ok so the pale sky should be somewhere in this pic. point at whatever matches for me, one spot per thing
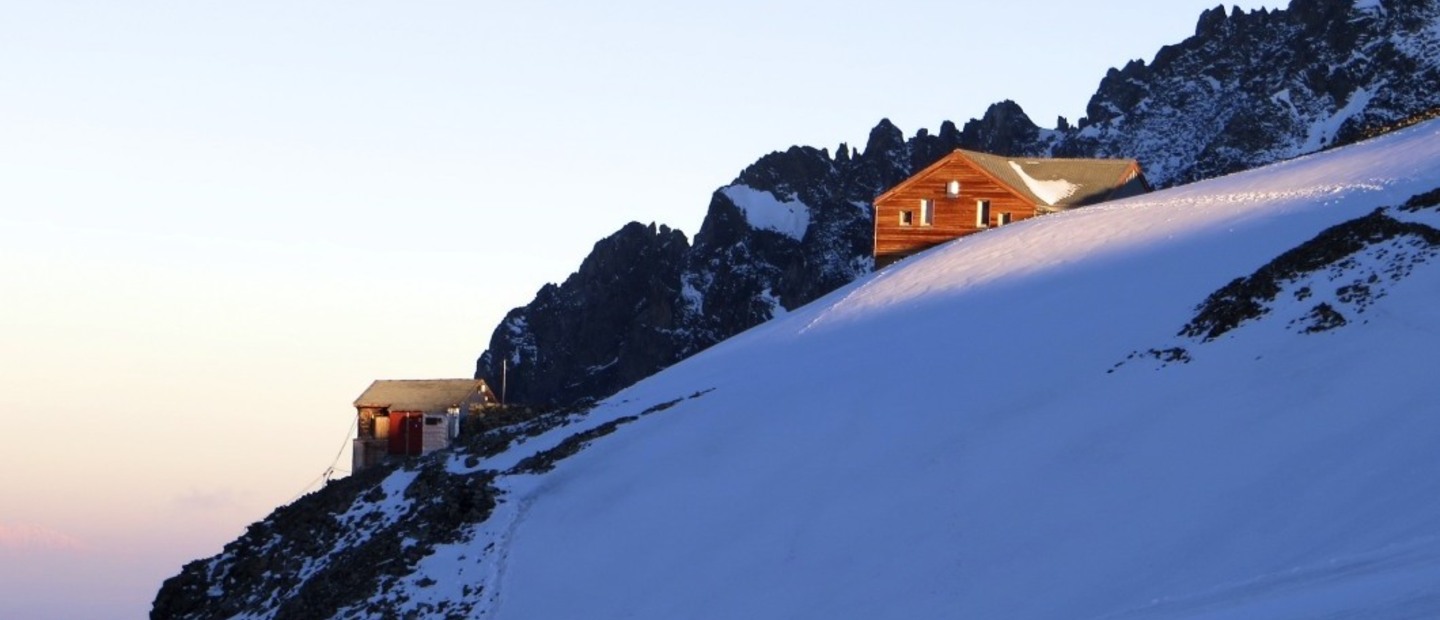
(219, 221)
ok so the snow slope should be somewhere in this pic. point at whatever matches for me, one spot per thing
(1008, 426)
(943, 439)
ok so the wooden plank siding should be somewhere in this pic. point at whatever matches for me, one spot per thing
(954, 216)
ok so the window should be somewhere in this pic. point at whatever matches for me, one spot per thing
(1002, 219)
(982, 213)
(907, 218)
(952, 189)
(927, 212)
(433, 421)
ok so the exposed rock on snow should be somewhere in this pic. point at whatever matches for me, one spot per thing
(1360, 255)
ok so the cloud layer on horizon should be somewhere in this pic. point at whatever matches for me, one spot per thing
(28, 537)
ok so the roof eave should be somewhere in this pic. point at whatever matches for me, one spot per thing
(914, 177)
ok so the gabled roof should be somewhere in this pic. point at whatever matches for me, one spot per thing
(1053, 184)
(1061, 183)
(420, 394)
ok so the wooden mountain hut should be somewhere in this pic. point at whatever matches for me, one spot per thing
(966, 192)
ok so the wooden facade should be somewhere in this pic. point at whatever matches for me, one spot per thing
(413, 417)
(966, 192)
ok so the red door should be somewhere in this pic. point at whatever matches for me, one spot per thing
(406, 431)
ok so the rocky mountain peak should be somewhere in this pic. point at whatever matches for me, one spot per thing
(610, 317)
(1004, 129)
(885, 137)
(1211, 20)
(780, 172)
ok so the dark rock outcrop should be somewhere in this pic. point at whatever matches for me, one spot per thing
(1005, 129)
(1248, 298)
(643, 301)
(352, 548)
(306, 561)
(608, 325)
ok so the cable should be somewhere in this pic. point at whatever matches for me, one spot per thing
(344, 441)
(325, 475)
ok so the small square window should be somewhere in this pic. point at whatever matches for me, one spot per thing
(907, 218)
(952, 189)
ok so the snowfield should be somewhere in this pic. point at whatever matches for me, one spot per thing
(1011, 426)
(763, 210)
(945, 439)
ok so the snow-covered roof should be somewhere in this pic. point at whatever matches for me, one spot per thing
(1059, 184)
(429, 395)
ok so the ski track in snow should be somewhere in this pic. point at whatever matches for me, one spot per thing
(1404, 571)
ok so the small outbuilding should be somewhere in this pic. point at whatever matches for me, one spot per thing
(966, 192)
(413, 417)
